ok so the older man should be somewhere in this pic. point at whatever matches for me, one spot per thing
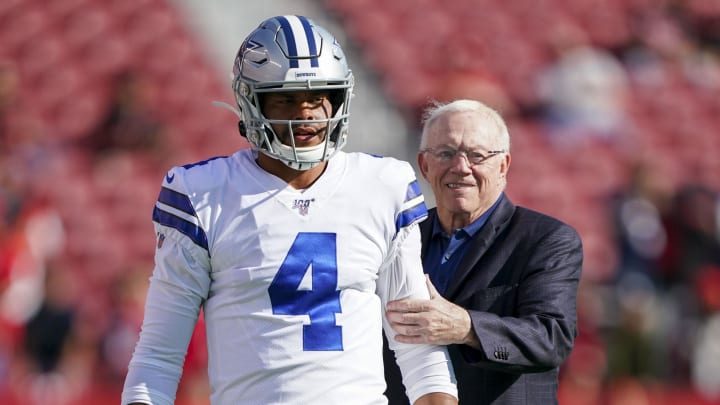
(505, 277)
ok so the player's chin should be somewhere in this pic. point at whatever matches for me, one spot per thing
(306, 143)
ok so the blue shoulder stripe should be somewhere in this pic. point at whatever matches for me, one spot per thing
(415, 213)
(413, 191)
(411, 215)
(176, 200)
(192, 231)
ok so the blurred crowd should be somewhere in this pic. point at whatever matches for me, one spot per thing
(69, 307)
(76, 239)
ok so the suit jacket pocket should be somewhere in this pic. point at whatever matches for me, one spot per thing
(493, 299)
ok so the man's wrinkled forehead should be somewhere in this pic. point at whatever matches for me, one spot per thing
(467, 126)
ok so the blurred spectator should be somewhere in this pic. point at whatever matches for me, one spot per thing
(665, 50)
(636, 343)
(10, 246)
(694, 240)
(584, 91)
(667, 287)
(31, 235)
(36, 236)
(638, 213)
(45, 368)
(704, 18)
(128, 124)
(48, 330)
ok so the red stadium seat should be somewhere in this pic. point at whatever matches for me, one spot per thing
(83, 25)
(106, 55)
(22, 24)
(41, 56)
(147, 25)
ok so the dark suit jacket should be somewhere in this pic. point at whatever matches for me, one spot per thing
(518, 279)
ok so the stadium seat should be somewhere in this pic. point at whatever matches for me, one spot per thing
(83, 24)
(106, 55)
(22, 24)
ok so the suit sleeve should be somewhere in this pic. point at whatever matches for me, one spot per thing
(540, 335)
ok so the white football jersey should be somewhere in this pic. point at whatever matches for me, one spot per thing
(293, 283)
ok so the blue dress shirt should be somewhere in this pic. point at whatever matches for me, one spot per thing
(445, 251)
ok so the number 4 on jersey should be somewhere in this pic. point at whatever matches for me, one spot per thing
(314, 252)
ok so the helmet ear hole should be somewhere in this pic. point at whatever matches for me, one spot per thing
(335, 135)
(337, 98)
(242, 128)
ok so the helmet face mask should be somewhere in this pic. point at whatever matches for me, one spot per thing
(291, 53)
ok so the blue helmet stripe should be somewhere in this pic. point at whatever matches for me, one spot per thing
(290, 38)
(312, 46)
(176, 200)
(192, 231)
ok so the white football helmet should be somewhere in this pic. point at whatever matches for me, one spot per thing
(287, 53)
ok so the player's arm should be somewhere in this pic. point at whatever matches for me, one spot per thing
(436, 399)
(426, 369)
(427, 372)
(178, 286)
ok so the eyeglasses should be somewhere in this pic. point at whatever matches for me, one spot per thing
(447, 154)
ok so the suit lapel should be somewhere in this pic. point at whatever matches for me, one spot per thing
(477, 246)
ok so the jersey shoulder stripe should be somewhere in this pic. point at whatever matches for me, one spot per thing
(187, 228)
(174, 207)
(413, 191)
(183, 187)
(176, 200)
(414, 209)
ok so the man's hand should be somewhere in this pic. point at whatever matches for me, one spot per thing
(435, 321)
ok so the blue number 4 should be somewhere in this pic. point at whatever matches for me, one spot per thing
(315, 252)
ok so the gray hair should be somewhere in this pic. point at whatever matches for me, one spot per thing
(485, 113)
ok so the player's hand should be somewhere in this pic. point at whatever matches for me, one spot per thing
(435, 321)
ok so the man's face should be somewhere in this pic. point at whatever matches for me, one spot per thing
(464, 165)
(299, 105)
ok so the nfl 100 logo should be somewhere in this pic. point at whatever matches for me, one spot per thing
(302, 205)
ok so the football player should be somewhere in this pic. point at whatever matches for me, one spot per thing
(291, 248)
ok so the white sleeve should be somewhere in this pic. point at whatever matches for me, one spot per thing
(425, 368)
(178, 288)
